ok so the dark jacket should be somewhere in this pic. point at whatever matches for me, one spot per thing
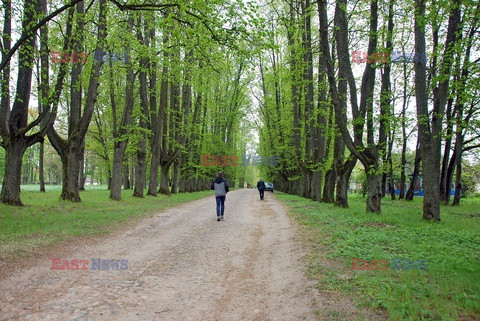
(261, 185)
(220, 185)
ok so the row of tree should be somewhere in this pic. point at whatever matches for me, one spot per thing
(322, 113)
(181, 92)
(187, 87)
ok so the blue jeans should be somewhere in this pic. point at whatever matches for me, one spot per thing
(220, 205)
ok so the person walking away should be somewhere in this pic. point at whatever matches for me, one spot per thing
(261, 188)
(220, 186)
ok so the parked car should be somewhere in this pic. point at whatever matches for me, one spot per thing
(269, 186)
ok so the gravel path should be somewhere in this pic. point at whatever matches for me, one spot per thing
(182, 265)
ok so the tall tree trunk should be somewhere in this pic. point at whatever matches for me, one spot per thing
(387, 132)
(403, 161)
(81, 174)
(14, 124)
(383, 188)
(458, 181)
(13, 173)
(92, 175)
(461, 121)
(41, 167)
(368, 155)
(374, 193)
(329, 186)
(154, 165)
(164, 186)
(140, 169)
(126, 175)
(106, 153)
(156, 115)
(430, 131)
(70, 149)
(176, 165)
(391, 181)
(120, 131)
(294, 80)
(43, 86)
(343, 179)
(444, 188)
(330, 175)
(116, 182)
(141, 166)
(312, 150)
(71, 170)
(319, 137)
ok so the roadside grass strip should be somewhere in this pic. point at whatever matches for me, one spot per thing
(46, 220)
(448, 289)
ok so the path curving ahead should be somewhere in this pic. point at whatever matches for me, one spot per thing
(182, 265)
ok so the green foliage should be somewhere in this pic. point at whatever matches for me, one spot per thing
(449, 288)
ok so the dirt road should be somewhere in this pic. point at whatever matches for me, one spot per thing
(182, 265)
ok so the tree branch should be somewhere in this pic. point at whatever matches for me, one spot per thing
(31, 32)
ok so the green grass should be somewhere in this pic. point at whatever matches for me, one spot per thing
(46, 220)
(50, 188)
(448, 290)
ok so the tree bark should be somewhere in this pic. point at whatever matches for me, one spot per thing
(81, 174)
(71, 169)
(164, 186)
(120, 131)
(329, 186)
(141, 165)
(43, 86)
(461, 121)
(116, 183)
(140, 169)
(430, 130)
(444, 181)
(294, 80)
(386, 112)
(70, 149)
(126, 175)
(41, 167)
(391, 181)
(105, 153)
(156, 116)
(14, 124)
(330, 175)
(367, 155)
(458, 181)
(176, 165)
(343, 179)
(13, 173)
(403, 160)
(374, 193)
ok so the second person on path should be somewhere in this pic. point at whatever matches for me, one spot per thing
(261, 188)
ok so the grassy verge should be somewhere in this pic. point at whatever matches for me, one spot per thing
(46, 220)
(448, 290)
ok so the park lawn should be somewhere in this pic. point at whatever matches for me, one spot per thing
(448, 290)
(46, 220)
